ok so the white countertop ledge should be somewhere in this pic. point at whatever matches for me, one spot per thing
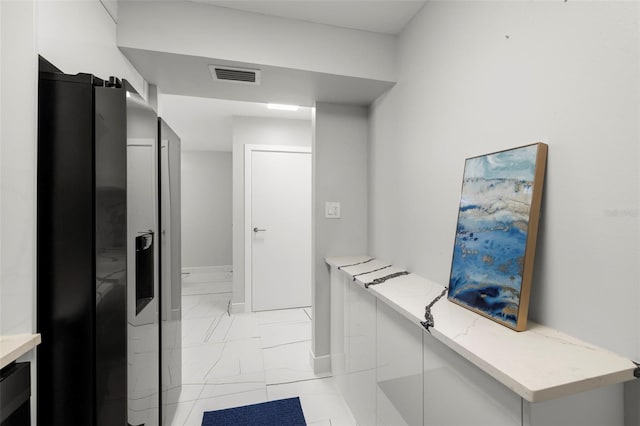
(14, 346)
(538, 364)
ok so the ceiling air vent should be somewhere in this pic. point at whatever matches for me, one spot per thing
(236, 75)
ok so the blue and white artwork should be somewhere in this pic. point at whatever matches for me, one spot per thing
(493, 228)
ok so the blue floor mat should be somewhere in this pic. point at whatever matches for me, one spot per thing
(283, 412)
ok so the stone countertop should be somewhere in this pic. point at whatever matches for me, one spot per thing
(14, 346)
(538, 364)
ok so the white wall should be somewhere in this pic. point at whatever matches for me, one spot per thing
(76, 36)
(18, 137)
(206, 208)
(80, 36)
(18, 112)
(256, 131)
(340, 174)
(477, 77)
(233, 35)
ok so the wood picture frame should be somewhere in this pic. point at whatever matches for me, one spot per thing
(496, 233)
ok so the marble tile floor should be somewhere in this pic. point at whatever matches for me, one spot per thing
(242, 359)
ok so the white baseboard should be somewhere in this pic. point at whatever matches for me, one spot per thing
(206, 269)
(321, 364)
(207, 273)
(237, 308)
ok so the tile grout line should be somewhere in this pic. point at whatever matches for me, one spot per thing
(210, 331)
(217, 361)
(193, 405)
(285, 344)
(233, 319)
(297, 381)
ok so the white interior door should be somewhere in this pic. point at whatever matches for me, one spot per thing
(280, 229)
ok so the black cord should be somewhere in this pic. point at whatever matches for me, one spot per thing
(368, 272)
(636, 372)
(428, 316)
(354, 264)
(385, 278)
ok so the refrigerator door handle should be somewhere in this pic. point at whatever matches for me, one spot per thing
(148, 239)
(144, 270)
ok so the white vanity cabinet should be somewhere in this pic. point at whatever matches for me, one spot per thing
(360, 343)
(465, 371)
(353, 345)
(597, 407)
(458, 393)
(338, 337)
(399, 375)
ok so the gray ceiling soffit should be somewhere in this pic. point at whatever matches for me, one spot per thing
(191, 76)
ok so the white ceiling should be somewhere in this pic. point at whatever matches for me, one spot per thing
(205, 123)
(381, 16)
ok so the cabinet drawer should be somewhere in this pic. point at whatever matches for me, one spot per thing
(15, 388)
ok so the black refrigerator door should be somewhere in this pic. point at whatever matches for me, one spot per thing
(111, 256)
(81, 255)
(65, 272)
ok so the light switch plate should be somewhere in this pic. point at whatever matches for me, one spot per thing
(332, 210)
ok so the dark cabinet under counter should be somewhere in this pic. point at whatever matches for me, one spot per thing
(15, 394)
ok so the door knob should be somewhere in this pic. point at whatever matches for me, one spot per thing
(258, 230)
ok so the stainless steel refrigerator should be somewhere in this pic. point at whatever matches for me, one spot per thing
(170, 272)
(154, 292)
(143, 311)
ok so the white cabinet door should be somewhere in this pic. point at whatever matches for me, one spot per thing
(399, 373)
(457, 393)
(361, 354)
(602, 406)
(337, 323)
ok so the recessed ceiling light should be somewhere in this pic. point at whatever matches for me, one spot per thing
(282, 107)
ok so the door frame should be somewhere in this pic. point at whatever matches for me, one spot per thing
(249, 149)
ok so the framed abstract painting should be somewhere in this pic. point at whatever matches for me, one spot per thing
(495, 241)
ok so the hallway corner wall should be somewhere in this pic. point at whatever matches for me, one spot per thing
(206, 208)
(340, 152)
